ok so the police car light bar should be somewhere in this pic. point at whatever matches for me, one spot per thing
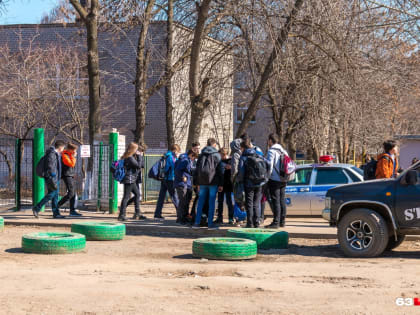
(326, 158)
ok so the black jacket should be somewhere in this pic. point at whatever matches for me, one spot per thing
(132, 170)
(218, 178)
(52, 164)
(140, 161)
(227, 182)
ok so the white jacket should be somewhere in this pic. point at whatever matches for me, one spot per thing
(273, 157)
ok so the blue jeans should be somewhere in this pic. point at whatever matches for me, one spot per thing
(211, 192)
(53, 196)
(166, 186)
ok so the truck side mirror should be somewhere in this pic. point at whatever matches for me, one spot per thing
(411, 177)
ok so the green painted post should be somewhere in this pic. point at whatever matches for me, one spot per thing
(113, 184)
(98, 205)
(38, 153)
(17, 174)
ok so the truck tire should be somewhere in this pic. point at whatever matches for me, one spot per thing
(363, 233)
(1, 224)
(100, 231)
(224, 248)
(265, 238)
(53, 243)
(392, 243)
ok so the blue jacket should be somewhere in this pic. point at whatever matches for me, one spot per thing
(170, 166)
(241, 178)
(183, 168)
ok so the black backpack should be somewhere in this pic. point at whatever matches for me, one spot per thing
(369, 171)
(206, 168)
(256, 169)
(40, 167)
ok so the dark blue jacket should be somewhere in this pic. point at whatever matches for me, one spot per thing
(170, 166)
(183, 168)
(241, 178)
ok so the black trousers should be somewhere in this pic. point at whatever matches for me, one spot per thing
(183, 204)
(128, 189)
(253, 205)
(278, 201)
(220, 203)
(133, 199)
(71, 194)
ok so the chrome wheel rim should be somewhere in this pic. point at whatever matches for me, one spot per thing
(359, 235)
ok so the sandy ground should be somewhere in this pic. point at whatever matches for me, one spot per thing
(158, 275)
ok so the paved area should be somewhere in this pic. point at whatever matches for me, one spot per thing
(307, 227)
(297, 227)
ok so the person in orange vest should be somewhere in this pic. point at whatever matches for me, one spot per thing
(69, 162)
(387, 166)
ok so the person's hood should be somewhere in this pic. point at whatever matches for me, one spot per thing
(183, 157)
(50, 150)
(278, 146)
(209, 150)
(69, 153)
(169, 153)
(235, 145)
(249, 152)
(380, 156)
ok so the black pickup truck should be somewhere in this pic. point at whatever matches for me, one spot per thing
(375, 216)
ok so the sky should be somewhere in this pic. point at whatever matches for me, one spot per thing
(25, 11)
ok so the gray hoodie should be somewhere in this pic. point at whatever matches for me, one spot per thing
(273, 157)
(235, 147)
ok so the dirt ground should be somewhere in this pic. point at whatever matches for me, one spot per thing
(157, 275)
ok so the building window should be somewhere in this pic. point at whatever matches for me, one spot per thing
(240, 112)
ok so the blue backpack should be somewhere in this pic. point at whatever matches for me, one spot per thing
(157, 171)
(118, 170)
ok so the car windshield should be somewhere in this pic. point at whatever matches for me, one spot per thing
(302, 177)
(357, 170)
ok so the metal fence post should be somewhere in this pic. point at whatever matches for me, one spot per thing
(101, 153)
(113, 184)
(17, 174)
(37, 154)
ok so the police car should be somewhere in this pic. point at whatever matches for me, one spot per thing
(305, 195)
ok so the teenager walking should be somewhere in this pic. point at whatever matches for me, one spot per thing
(51, 172)
(227, 188)
(69, 162)
(132, 169)
(139, 156)
(387, 166)
(167, 185)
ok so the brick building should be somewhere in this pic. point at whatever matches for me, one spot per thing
(117, 53)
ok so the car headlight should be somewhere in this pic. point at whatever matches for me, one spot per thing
(327, 202)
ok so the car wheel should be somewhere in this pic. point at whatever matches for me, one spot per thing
(363, 233)
(392, 243)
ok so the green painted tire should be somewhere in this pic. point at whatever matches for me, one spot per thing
(224, 248)
(1, 224)
(100, 231)
(265, 238)
(53, 243)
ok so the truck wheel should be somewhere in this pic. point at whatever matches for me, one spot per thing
(392, 243)
(363, 233)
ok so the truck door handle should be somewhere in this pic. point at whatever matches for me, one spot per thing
(303, 189)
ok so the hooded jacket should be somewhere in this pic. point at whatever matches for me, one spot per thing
(242, 176)
(386, 167)
(218, 178)
(274, 158)
(53, 164)
(170, 166)
(132, 169)
(183, 169)
(235, 147)
(69, 162)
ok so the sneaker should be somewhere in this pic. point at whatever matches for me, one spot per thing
(272, 226)
(159, 218)
(213, 228)
(219, 220)
(196, 227)
(58, 216)
(142, 217)
(122, 219)
(75, 214)
(231, 222)
(135, 216)
(35, 213)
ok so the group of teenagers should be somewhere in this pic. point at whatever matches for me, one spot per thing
(209, 174)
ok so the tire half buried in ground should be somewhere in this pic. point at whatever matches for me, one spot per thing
(224, 248)
(100, 231)
(265, 238)
(53, 243)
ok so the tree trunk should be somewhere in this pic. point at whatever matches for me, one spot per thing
(259, 92)
(170, 132)
(197, 93)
